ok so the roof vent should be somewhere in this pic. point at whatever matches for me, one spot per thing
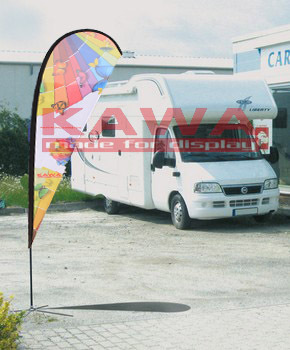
(128, 54)
(201, 72)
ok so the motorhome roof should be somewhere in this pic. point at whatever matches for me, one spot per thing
(127, 86)
(216, 93)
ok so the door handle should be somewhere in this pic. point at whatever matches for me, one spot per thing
(176, 174)
(119, 152)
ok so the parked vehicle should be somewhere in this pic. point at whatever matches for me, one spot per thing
(189, 183)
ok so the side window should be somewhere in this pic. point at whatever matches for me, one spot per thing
(108, 127)
(162, 143)
(169, 154)
(160, 140)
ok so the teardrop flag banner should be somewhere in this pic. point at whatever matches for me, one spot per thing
(72, 76)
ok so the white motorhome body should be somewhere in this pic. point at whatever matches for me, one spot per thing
(125, 174)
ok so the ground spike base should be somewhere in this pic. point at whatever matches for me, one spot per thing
(40, 309)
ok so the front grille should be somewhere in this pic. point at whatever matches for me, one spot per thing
(218, 204)
(236, 190)
(244, 202)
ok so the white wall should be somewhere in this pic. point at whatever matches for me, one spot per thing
(18, 84)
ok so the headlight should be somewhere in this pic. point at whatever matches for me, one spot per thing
(207, 187)
(270, 184)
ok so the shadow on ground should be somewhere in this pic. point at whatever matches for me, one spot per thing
(137, 307)
(279, 223)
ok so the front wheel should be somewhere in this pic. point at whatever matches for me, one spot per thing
(179, 213)
(111, 207)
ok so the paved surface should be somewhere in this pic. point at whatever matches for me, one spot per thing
(255, 328)
(234, 275)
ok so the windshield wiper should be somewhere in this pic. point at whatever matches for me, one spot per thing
(190, 155)
(217, 157)
(207, 157)
(237, 157)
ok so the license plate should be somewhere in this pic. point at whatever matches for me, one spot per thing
(245, 211)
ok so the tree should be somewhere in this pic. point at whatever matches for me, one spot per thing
(14, 145)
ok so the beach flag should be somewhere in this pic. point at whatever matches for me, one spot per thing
(71, 79)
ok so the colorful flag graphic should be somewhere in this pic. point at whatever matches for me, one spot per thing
(71, 79)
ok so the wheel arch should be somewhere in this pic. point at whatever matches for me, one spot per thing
(172, 194)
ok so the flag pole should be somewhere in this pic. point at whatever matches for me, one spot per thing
(30, 273)
(32, 308)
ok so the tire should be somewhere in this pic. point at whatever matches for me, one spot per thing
(111, 207)
(263, 218)
(179, 213)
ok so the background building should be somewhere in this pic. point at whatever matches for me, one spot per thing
(267, 54)
(19, 71)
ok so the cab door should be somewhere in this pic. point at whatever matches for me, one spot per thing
(164, 180)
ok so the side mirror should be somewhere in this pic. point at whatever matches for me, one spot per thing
(273, 156)
(158, 160)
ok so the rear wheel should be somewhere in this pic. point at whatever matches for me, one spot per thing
(179, 213)
(263, 218)
(111, 207)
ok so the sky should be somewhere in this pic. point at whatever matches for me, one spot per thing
(203, 28)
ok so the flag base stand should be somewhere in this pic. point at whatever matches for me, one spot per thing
(39, 309)
(32, 308)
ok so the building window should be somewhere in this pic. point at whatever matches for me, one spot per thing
(247, 61)
(280, 122)
(281, 131)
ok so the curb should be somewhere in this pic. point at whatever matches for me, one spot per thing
(14, 210)
(284, 211)
(62, 207)
(75, 206)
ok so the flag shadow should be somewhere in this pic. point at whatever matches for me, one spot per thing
(131, 306)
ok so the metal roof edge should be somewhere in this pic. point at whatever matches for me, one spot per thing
(262, 33)
(36, 57)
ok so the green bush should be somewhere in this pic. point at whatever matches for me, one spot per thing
(14, 146)
(24, 182)
(13, 190)
(10, 324)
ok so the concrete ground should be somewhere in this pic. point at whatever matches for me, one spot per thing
(234, 275)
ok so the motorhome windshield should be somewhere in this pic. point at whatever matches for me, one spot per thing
(234, 142)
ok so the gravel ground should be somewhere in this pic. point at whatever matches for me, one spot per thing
(87, 257)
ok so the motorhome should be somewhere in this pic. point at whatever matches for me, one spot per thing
(152, 142)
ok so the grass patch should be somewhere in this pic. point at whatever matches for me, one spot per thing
(64, 193)
(14, 191)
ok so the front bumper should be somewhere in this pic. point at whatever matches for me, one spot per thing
(218, 205)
